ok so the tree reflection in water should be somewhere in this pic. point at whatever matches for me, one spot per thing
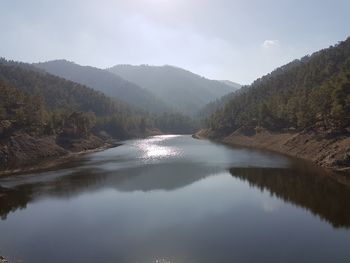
(305, 186)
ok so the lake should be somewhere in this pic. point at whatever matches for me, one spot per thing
(176, 199)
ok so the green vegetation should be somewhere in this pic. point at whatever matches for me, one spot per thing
(216, 105)
(19, 111)
(41, 104)
(34, 101)
(313, 92)
(175, 123)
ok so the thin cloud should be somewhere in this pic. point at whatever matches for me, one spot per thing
(271, 44)
(218, 42)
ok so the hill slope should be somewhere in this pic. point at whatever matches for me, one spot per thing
(232, 84)
(43, 117)
(184, 91)
(314, 89)
(65, 97)
(302, 109)
(106, 82)
(58, 94)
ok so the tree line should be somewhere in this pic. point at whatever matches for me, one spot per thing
(313, 92)
(41, 104)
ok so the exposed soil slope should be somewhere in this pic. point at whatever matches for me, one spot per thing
(22, 152)
(330, 151)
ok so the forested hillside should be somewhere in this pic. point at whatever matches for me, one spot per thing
(19, 111)
(212, 107)
(182, 90)
(43, 117)
(176, 123)
(106, 82)
(60, 100)
(311, 92)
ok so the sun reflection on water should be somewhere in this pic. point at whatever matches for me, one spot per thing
(154, 147)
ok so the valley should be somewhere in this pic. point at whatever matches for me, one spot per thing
(174, 131)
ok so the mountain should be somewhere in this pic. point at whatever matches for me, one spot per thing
(28, 92)
(58, 98)
(216, 105)
(301, 109)
(106, 82)
(180, 89)
(232, 84)
(43, 117)
(208, 110)
(311, 92)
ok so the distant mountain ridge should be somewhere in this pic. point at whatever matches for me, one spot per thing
(182, 90)
(232, 84)
(54, 100)
(106, 82)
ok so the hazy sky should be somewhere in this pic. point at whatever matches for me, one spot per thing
(239, 40)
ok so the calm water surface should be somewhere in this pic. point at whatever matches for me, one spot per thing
(176, 199)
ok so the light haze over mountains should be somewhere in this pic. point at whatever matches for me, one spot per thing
(151, 88)
(182, 90)
(238, 40)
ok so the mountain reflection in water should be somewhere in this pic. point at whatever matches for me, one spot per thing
(176, 199)
(312, 189)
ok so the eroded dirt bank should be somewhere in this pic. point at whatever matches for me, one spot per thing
(329, 151)
(23, 153)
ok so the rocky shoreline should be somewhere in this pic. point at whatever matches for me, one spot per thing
(23, 153)
(328, 151)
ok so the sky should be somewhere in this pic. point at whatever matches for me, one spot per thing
(237, 40)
